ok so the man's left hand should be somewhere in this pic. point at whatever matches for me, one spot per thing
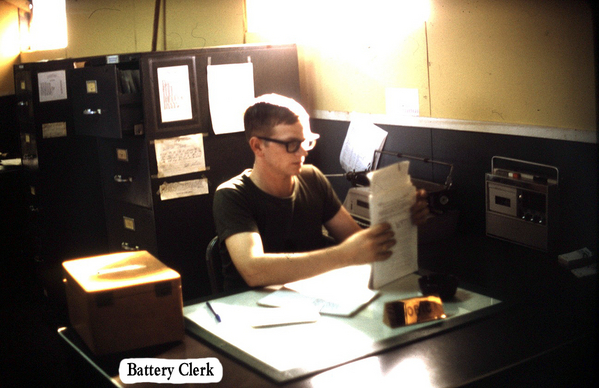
(419, 209)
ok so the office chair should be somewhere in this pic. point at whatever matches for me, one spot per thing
(214, 264)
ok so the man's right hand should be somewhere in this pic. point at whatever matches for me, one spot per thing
(368, 245)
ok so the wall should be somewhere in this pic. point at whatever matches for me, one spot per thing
(513, 61)
(471, 153)
(9, 46)
(517, 62)
(114, 26)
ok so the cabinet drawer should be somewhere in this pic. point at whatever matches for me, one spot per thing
(130, 227)
(125, 171)
(23, 91)
(29, 151)
(100, 108)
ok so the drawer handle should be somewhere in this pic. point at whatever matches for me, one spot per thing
(92, 112)
(127, 247)
(121, 179)
(29, 156)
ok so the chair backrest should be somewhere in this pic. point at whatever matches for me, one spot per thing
(215, 267)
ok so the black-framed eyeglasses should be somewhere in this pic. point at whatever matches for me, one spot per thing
(293, 145)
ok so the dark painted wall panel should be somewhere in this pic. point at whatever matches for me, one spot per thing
(471, 153)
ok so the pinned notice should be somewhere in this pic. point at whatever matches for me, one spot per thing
(183, 189)
(52, 85)
(180, 155)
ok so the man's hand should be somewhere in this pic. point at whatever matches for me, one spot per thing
(368, 245)
(420, 209)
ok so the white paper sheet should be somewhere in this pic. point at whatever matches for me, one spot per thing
(180, 155)
(58, 129)
(183, 189)
(52, 85)
(174, 93)
(230, 92)
(339, 292)
(391, 196)
(402, 102)
(362, 139)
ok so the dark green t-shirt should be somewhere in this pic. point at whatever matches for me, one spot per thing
(292, 224)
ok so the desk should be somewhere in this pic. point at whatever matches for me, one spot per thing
(290, 352)
(540, 341)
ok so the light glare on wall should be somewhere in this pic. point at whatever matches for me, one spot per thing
(340, 20)
(47, 26)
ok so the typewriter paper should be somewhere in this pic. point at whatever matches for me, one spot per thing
(363, 138)
(391, 196)
(180, 155)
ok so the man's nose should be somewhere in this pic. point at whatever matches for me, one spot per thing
(302, 151)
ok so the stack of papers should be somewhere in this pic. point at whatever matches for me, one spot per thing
(340, 292)
(392, 194)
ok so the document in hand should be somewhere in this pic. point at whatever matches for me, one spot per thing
(391, 196)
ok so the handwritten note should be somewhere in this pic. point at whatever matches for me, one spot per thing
(391, 196)
(180, 155)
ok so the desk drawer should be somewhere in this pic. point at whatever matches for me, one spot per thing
(130, 227)
(125, 171)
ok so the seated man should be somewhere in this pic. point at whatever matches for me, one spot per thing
(270, 218)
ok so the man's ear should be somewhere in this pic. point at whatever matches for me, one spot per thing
(256, 145)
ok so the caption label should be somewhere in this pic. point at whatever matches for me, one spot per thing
(180, 371)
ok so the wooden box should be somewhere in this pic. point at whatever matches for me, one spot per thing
(123, 301)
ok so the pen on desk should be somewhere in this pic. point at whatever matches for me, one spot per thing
(213, 312)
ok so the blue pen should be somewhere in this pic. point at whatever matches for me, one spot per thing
(213, 312)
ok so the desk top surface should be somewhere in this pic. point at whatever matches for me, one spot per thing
(552, 318)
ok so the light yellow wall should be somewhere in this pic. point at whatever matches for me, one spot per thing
(9, 46)
(513, 61)
(102, 27)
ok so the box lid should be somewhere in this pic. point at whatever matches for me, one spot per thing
(118, 271)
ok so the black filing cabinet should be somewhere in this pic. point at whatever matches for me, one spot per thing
(60, 172)
(118, 102)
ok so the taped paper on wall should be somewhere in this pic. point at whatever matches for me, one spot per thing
(183, 189)
(180, 155)
(50, 130)
(52, 85)
(230, 92)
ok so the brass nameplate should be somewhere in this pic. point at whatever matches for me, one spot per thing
(413, 310)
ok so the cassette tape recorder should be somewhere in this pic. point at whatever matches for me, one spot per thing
(522, 202)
